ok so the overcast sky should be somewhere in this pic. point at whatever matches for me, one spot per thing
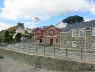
(43, 12)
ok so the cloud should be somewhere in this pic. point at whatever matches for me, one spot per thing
(4, 26)
(87, 19)
(92, 10)
(40, 8)
(7, 11)
(30, 25)
(61, 25)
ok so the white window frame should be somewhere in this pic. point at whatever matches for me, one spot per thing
(74, 44)
(93, 31)
(82, 32)
(74, 33)
(77, 33)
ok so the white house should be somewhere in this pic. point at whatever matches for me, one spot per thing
(78, 32)
(78, 29)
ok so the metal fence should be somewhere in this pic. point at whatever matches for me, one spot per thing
(64, 47)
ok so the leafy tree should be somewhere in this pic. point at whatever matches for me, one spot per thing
(12, 29)
(6, 36)
(18, 37)
(2, 36)
(73, 19)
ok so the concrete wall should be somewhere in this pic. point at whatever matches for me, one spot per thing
(49, 63)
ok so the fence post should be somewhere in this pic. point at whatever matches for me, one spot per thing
(81, 53)
(84, 57)
(54, 50)
(44, 49)
(37, 48)
(66, 52)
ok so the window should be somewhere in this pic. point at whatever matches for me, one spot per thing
(93, 31)
(74, 33)
(93, 46)
(78, 33)
(74, 44)
(81, 33)
(51, 32)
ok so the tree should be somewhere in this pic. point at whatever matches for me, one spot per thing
(73, 19)
(6, 36)
(12, 29)
(18, 37)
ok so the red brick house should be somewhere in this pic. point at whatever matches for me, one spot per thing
(48, 35)
(38, 33)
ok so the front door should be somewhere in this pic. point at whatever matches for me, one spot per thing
(51, 41)
(40, 40)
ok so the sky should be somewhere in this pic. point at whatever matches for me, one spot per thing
(36, 13)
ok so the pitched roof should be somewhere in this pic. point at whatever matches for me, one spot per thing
(53, 27)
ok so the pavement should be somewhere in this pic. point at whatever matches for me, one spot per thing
(9, 65)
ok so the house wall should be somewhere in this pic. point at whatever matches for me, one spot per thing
(78, 32)
(44, 36)
(93, 31)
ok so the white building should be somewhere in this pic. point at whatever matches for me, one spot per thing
(78, 29)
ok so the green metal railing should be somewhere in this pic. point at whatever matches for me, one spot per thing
(67, 47)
